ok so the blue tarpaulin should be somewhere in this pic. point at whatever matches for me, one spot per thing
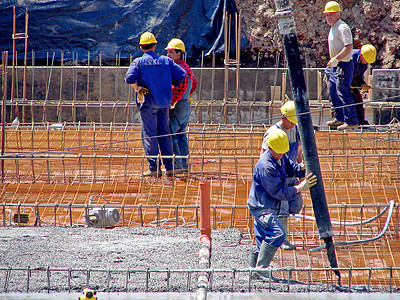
(114, 26)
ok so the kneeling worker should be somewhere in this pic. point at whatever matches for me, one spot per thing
(268, 190)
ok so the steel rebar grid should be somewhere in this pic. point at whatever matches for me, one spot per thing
(95, 170)
(350, 222)
(233, 280)
(376, 169)
(381, 140)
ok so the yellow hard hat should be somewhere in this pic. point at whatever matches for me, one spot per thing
(176, 44)
(278, 141)
(369, 53)
(332, 6)
(147, 38)
(289, 111)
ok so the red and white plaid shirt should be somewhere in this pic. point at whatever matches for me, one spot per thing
(179, 91)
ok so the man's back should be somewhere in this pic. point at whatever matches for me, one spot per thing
(158, 74)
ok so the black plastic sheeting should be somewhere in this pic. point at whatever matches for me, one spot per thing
(110, 27)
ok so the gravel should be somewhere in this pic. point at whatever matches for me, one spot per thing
(117, 250)
(126, 259)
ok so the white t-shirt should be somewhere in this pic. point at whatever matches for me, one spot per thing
(340, 36)
(291, 134)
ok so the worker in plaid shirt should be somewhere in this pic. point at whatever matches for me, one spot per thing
(180, 105)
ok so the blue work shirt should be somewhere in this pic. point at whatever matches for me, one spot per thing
(157, 73)
(269, 183)
(359, 69)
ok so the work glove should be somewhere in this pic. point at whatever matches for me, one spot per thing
(333, 62)
(141, 91)
(308, 182)
(365, 87)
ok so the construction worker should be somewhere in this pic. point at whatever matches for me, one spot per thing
(152, 77)
(361, 58)
(340, 69)
(288, 124)
(268, 190)
(180, 107)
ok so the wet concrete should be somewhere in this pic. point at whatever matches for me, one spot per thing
(210, 296)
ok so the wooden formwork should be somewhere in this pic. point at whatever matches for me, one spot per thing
(52, 172)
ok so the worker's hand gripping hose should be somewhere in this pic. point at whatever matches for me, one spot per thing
(308, 182)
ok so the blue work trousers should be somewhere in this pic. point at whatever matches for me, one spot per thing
(156, 136)
(178, 120)
(340, 78)
(268, 228)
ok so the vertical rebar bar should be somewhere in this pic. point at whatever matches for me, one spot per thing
(48, 279)
(87, 277)
(70, 213)
(33, 168)
(201, 78)
(212, 75)
(69, 280)
(63, 166)
(350, 280)
(80, 166)
(3, 110)
(127, 281)
(48, 168)
(55, 213)
(140, 212)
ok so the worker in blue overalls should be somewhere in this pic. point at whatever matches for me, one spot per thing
(361, 59)
(288, 124)
(268, 190)
(152, 77)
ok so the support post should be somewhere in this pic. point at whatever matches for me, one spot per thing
(287, 30)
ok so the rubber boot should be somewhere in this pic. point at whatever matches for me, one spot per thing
(253, 259)
(286, 244)
(264, 259)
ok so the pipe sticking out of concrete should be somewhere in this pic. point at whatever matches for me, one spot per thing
(205, 220)
(287, 29)
(205, 240)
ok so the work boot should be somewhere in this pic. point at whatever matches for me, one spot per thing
(253, 259)
(334, 123)
(264, 259)
(286, 244)
(346, 126)
(152, 173)
(170, 173)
